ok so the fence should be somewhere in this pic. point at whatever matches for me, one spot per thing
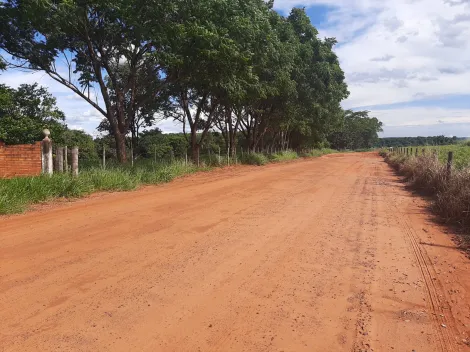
(20, 160)
(408, 151)
(37, 158)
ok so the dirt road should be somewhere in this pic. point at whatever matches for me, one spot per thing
(328, 254)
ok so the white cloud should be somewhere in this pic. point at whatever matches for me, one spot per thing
(421, 116)
(392, 51)
(404, 48)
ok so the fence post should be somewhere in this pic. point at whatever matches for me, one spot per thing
(132, 154)
(66, 159)
(186, 157)
(450, 158)
(424, 151)
(104, 157)
(416, 152)
(60, 159)
(46, 145)
(75, 161)
(228, 156)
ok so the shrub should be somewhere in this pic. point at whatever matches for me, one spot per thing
(254, 159)
(317, 152)
(283, 156)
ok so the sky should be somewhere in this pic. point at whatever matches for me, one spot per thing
(407, 61)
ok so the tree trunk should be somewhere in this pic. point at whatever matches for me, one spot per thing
(120, 140)
(194, 146)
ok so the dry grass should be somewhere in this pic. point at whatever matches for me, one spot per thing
(451, 193)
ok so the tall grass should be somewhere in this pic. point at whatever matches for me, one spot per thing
(450, 192)
(17, 194)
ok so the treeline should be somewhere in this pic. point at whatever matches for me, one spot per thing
(237, 67)
(27, 110)
(417, 141)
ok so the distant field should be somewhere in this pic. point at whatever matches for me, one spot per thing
(461, 153)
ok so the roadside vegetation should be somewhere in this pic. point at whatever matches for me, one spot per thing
(17, 194)
(428, 173)
(205, 65)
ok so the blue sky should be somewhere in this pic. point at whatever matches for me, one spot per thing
(407, 61)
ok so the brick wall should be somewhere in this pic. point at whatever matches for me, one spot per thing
(20, 160)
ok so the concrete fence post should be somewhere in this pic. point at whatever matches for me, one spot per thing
(66, 159)
(46, 145)
(75, 161)
(60, 159)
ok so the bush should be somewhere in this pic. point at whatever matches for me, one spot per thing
(254, 159)
(283, 156)
(317, 152)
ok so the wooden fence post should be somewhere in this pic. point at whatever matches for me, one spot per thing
(424, 151)
(416, 152)
(450, 158)
(46, 144)
(60, 159)
(75, 161)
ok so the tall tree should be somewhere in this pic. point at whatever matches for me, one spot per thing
(214, 61)
(94, 39)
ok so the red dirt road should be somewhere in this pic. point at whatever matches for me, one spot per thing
(328, 254)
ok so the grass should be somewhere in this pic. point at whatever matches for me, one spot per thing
(283, 156)
(461, 153)
(318, 152)
(450, 192)
(17, 194)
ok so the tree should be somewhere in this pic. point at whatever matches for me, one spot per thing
(83, 141)
(26, 111)
(95, 39)
(214, 62)
(359, 131)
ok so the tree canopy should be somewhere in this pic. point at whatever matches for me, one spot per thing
(359, 131)
(26, 111)
(236, 67)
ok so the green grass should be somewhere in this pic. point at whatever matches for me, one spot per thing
(283, 156)
(318, 152)
(17, 194)
(254, 159)
(461, 153)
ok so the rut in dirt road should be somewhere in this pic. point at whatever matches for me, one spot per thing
(328, 254)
